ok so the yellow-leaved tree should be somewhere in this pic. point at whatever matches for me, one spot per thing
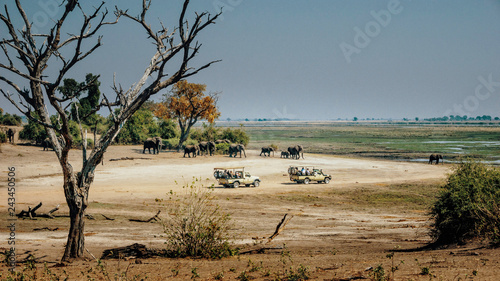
(188, 103)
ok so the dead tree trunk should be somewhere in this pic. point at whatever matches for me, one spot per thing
(19, 44)
(77, 199)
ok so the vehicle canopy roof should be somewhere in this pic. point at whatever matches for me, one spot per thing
(305, 167)
(230, 168)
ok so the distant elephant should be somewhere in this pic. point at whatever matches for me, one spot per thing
(435, 157)
(235, 148)
(188, 149)
(10, 134)
(267, 150)
(206, 147)
(154, 143)
(296, 151)
(285, 154)
(46, 144)
(222, 141)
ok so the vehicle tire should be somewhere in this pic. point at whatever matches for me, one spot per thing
(236, 184)
(327, 180)
(256, 183)
(306, 181)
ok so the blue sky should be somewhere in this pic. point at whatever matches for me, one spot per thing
(320, 59)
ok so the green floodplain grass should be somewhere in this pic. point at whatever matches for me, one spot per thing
(382, 140)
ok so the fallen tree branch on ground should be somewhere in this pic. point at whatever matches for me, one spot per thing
(107, 218)
(132, 251)
(129, 158)
(261, 248)
(155, 217)
(31, 213)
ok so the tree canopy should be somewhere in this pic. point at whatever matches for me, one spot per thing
(187, 103)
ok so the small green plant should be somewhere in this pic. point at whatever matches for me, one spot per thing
(219, 276)
(378, 273)
(425, 270)
(243, 276)
(196, 226)
(298, 275)
(394, 267)
(194, 273)
(254, 267)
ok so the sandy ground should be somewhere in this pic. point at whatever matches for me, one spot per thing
(334, 240)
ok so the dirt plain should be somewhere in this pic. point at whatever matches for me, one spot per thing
(334, 238)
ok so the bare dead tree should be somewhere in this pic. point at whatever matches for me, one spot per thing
(26, 57)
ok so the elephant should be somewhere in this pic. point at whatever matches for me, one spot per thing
(267, 150)
(10, 134)
(206, 147)
(235, 148)
(436, 157)
(285, 154)
(154, 143)
(222, 141)
(46, 144)
(296, 151)
(191, 149)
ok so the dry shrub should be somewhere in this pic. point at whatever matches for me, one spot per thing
(196, 226)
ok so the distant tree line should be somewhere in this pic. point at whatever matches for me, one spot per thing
(166, 119)
(463, 118)
(10, 119)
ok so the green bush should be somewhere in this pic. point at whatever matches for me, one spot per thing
(3, 137)
(168, 130)
(170, 143)
(78, 143)
(212, 133)
(222, 148)
(235, 136)
(33, 132)
(469, 204)
(196, 226)
(10, 120)
(138, 128)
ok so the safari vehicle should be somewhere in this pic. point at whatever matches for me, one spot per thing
(307, 174)
(234, 177)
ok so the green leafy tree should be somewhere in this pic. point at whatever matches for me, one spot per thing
(83, 108)
(139, 127)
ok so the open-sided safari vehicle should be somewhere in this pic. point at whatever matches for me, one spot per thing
(308, 174)
(234, 177)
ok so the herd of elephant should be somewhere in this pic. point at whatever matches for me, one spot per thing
(294, 152)
(192, 150)
(209, 147)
